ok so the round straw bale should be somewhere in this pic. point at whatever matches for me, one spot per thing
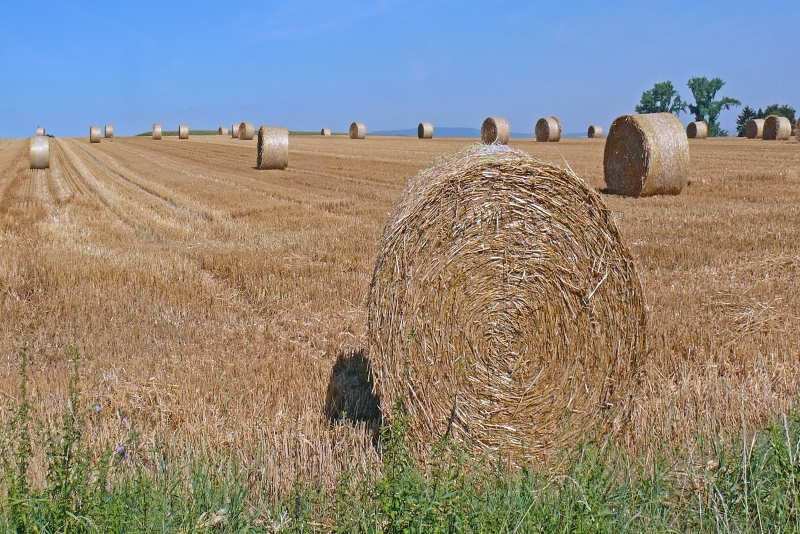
(358, 130)
(646, 155)
(273, 148)
(495, 130)
(108, 131)
(222, 131)
(595, 132)
(777, 128)
(40, 152)
(504, 308)
(325, 131)
(234, 131)
(94, 134)
(425, 130)
(157, 132)
(246, 131)
(697, 130)
(548, 129)
(183, 131)
(754, 129)
(39, 131)
(797, 129)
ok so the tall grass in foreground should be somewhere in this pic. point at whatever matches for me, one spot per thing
(752, 485)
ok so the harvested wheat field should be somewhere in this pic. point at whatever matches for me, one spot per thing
(225, 307)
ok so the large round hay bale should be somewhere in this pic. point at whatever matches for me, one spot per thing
(777, 128)
(754, 129)
(646, 155)
(504, 307)
(108, 131)
(595, 132)
(425, 130)
(39, 131)
(234, 131)
(157, 132)
(94, 134)
(325, 131)
(548, 130)
(246, 131)
(273, 148)
(183, 131)
(222, 131)
(40, 152)
(358, 130)
(697, 130)
(495, 130)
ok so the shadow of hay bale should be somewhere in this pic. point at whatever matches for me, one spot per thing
(350, 393)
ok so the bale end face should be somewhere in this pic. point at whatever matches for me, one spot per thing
(425, 130)
(40, 152)
(94, 134)
(548, 130)
(358, 130)
(246, 131)
(183, 131)
(595, 132)
(273, 148)
(495, 130)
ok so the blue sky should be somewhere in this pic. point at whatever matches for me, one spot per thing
(69, 64)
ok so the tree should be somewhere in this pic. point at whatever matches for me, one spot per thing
(773, 109)
(662, 98)
(705, 107)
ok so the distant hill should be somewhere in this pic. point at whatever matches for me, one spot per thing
(445, 131)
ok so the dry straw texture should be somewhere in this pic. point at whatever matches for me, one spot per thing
(157, 132)
(40, 152)
(504, 307)
(777, 128)
(222, 131)
(358, 130)
(94, 134)
(548, 130)
(797, 129)
(39, 131)
(646, 155)
(273, 148)
(755, 129)
(595, 132)
(325, 131)
(246, 131)
(495, 130)
(425, 130)
(183, 131)
(697, 130)
(234, 131)
(108, 131)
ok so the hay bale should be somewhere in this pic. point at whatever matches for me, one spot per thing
(157, 132)
(595, 132)
(325, 131)
(246, 131)
(504, 308)
(183, 131)
(425, 130)
(108, 131)
(495, 130)
(273, 148)
(39, 131)
(548, 130)
(222, 131)
(754, 129)
(797, 129)
(358, 130)
(40, 152)
(234, 131)
(646, 155)
(94, 134)
(697, 130)
(777, 128)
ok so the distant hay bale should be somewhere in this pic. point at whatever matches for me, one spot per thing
(495, 130)
(234, 131)
(40, 152)
(595, 132)
(646, 155)
(273, 148)
(325, 131)
(777, 128)
(697, 130)
(157, 132)
(183, 131)
(797, 129)
(425, 130)
(358, 130)
(504, 308)
(222, 131)
(754, 129)
(246, 131)
(40, 131)
(94, 134)
(548, 130)
(108, 131)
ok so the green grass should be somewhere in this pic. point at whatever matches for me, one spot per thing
(751, 485)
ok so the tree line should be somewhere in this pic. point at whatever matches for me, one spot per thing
(664, 98)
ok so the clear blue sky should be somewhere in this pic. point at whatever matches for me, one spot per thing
(69, 64)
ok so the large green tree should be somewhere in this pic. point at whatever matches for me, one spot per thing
(662, 98)
(705, 107)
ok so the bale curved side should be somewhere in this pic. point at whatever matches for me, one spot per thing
(40, 152)
(273, 148)
(595, 132)
(94, 134)
(246, 131)
(646, 155)
(358, 130)
(754, 129)
(325, 131)
(108, 131)
(777, 128)
(234, 131)
(39, 131)
(697, 130)
(183, 131)
(222, 130)
(156, 132)
(495, 130)
(425, 130)
(797, 129)
(504, 308)
(548, 130)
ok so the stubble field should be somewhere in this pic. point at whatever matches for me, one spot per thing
(211, 301)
